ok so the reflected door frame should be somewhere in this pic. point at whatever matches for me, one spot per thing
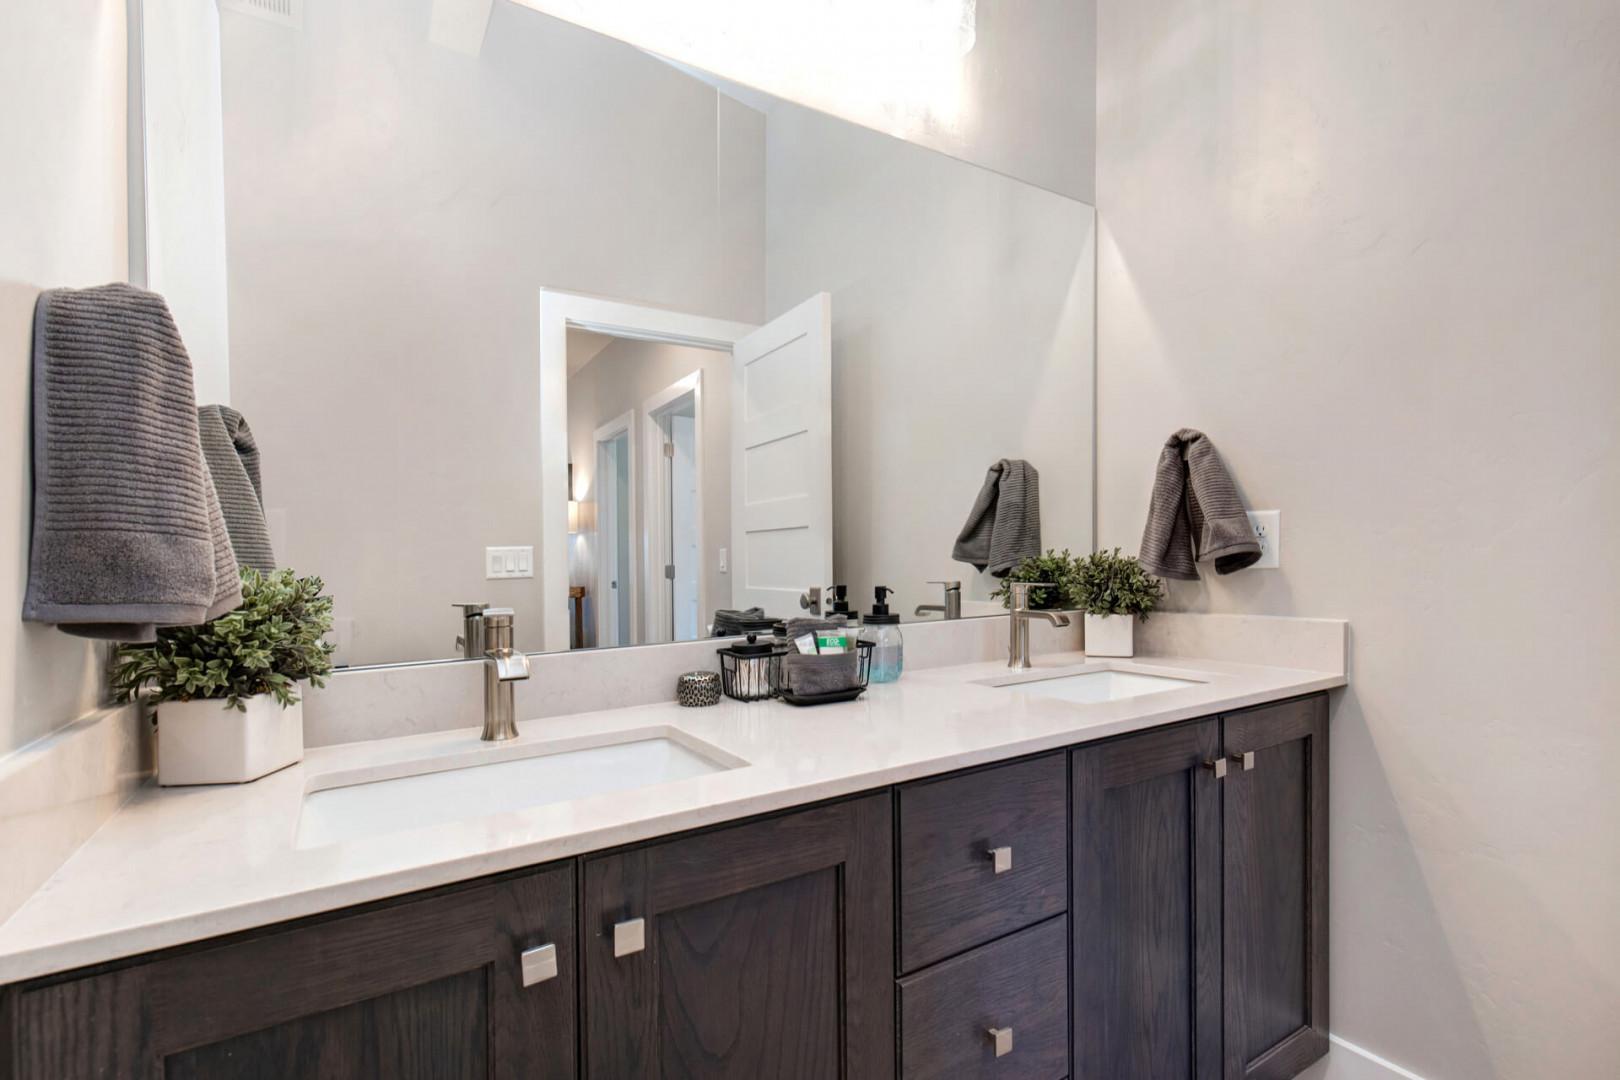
(607, 523)
(656, 509)
(559, 311)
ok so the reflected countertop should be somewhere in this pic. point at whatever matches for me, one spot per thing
(177, 865)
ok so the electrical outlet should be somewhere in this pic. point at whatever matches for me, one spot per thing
(1267, 526)
(508, 562)
(723, 561)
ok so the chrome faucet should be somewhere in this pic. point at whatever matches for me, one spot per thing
(1018, 621)
(952, 607)
(502, 667)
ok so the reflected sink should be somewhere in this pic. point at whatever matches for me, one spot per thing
(1092, 687)
(359, 803)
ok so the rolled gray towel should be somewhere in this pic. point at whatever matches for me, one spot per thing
(801, 625)
(1196, 514)
(127, 530)
(233, 462)
(1004, 526)
(806, 674)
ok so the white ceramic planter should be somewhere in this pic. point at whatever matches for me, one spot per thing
(1110, 635)
(205, 742)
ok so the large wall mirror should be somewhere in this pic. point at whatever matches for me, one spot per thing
(539, 320)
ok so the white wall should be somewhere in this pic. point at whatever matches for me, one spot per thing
(185, 182)
(63, 221)
(620, 378)
(1019, 102)
(1371, 250)
(394, 209)
(962, 322)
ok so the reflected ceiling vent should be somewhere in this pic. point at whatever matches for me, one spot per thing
(282, 12)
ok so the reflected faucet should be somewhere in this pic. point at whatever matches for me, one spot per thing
(502, 667)
(952, 607)
(1018, 621)
(470, 642)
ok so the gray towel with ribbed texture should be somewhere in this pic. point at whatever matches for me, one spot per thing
(1004, 527)
(233, 462)
(1196, 514)
(814, 674)
(127, 531)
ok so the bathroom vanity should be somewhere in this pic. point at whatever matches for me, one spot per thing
(1131, 888)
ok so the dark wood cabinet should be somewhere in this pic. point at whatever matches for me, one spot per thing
(432, 987)
(1275, 895)
(981, 854)
(1200, 898)
(1146, 908)
(998, 1012)
(764, 949)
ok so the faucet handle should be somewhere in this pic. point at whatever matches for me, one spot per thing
(469, 610)
(949, 585)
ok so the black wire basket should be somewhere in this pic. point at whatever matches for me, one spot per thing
(863, 673)
(752, 671)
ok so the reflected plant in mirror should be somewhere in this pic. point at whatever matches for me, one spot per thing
(778, 349)
(1057, 569)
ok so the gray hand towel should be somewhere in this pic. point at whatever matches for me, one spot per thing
(822, 674)
(800, 625)
(1196, 514)
(127, 530)
(233, 462)
(1004, 527)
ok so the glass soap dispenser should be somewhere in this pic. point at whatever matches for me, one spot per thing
(881, 627)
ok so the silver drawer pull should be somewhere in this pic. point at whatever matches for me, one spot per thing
(538, 964)
(1001, 1039)
(1245, 760)
(629, 937)
(1000, 859)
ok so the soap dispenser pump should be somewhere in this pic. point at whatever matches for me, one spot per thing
(881, 627)
(838, 607)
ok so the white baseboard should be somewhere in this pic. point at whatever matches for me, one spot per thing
(1347, 1061)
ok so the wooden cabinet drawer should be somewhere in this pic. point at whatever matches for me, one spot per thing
(951, 897)
(948, 1013)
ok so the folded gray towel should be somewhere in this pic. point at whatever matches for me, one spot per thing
(824, 674)
(233, 462)
(127, 531)
(1196, 514)
(801, 625)
(1004, 527)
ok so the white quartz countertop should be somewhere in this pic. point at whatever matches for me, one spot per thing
(177, 865)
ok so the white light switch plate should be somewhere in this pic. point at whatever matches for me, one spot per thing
(508, 562)
(1267, 526)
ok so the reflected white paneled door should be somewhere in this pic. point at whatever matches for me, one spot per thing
(781, 459)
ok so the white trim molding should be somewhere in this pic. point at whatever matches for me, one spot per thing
(616, 318)
(1347, 1061)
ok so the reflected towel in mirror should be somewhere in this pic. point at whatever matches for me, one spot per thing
(1004, 527)
(233, 463)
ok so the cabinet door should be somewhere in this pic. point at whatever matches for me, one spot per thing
(1276, 889)
(764, 949)
(425, 988)
(1146, 907)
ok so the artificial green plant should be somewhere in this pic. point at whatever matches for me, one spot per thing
(274, 640)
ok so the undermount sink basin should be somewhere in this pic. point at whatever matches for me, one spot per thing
(1092, 687)
(346, 806)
